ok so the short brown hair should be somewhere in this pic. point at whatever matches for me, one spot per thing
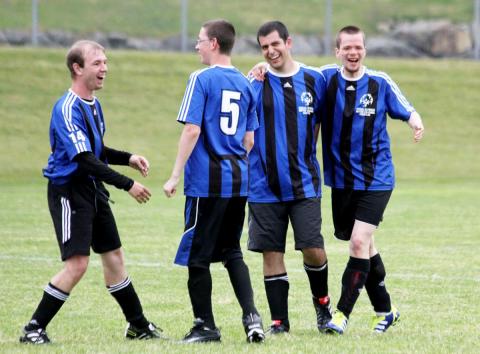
(76, 53)
(349, 30)
(223, 31)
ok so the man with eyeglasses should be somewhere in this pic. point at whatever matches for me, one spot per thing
(218, 111)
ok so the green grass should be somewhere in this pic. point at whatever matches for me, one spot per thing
(162, 18)
(429, 239)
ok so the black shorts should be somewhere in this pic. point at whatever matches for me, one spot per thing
(213, 227)
(268, 224)
(349, 205)
(82, 218)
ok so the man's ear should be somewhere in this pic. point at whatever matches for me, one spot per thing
(77, 69)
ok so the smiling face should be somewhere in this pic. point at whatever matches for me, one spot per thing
(276, 51)
(94, 69)
(351, 51)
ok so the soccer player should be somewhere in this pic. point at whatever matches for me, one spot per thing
(78, 200)
(285, 175)
(218, 113)
(358, 166)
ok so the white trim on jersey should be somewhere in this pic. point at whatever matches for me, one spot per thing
(67, 111)
(396, 90)
(56, 293)
(187, 98)
(66, 219)
(119, 286)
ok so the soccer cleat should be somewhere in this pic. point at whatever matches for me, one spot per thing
(34, 336)
(338, 323)
(324, 312)
(201, 334)
(149, 332)
(380, 324)
(279, 327)
(253, 328)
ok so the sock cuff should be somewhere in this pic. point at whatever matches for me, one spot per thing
(282, 276)
(360, 264)
(52, 290)
(315, 268)
(117, 287)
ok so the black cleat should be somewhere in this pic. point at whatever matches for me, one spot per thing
(34, 336)
(253, 328)
(149, 332)
(324, 312)
(201, 334)
(279, 327)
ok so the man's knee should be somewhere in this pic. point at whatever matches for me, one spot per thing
(76, 267)
(314, 256)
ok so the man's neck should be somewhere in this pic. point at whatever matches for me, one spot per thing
(81, 91)
(221, 59)
(288, 69)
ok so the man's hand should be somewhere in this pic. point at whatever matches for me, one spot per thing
(258, 71)
(139, 163)
(415, 122)
(170, 187)
(139, 192)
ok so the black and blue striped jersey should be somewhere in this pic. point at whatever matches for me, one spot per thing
(356, 145)
(283, 163)
(220, 100)
(76, 126)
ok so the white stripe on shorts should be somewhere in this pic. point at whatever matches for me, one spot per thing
(66, 216)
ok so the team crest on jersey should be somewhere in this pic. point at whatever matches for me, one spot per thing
(307, 99)
(366, 100)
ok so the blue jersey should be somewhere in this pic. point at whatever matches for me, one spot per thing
(220, 100)
(76, 126)
(356, 145)
(283, 162)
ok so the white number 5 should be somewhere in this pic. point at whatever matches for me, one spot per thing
(230, 112)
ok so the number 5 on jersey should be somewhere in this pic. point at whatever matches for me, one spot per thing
(230, 112)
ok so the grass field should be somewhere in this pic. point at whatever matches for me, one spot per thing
(162, 18)
(429, 239)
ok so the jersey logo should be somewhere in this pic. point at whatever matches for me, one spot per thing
(287, 85)
(366, 100)
(307, 99)
(350, 88)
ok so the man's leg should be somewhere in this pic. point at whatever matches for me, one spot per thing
(54, 296)
(316, 266)
(375, 284)
(354, 276)
(276, 287)
(121, 288)
(386, 315)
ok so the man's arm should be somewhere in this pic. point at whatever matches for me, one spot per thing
(415, 122)
(248, 141)
(117, 157)
(90, 165)
(187, 142)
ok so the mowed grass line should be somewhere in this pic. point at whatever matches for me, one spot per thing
(429, 238)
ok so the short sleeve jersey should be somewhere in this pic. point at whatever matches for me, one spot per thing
(283, 162)
(356, 145)
(220, 100)
(76, 126)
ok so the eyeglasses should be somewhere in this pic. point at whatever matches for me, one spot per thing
(202, 40)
